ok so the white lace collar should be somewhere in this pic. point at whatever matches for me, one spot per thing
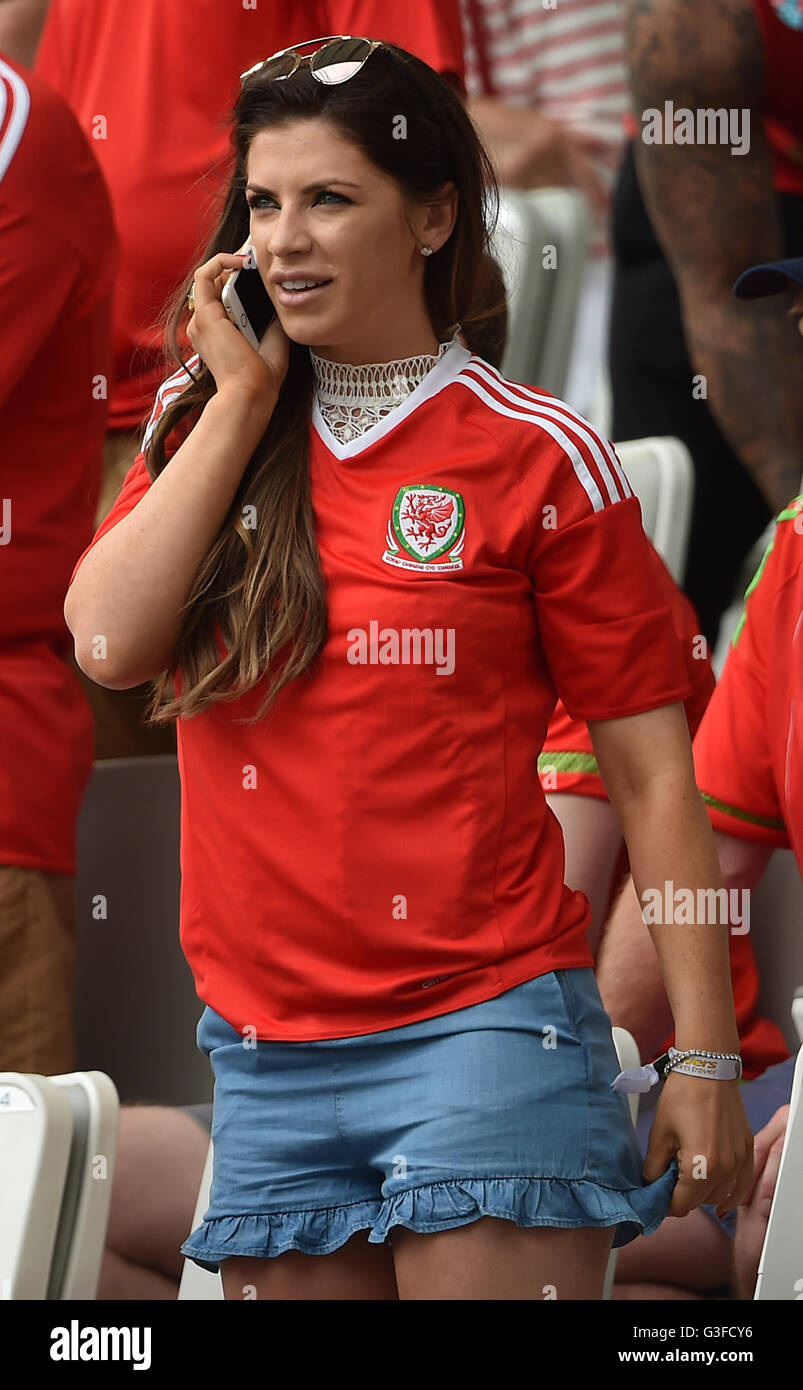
(354, 398)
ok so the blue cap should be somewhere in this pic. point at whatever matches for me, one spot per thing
(771, 278)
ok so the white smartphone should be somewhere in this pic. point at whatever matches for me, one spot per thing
(247, 302)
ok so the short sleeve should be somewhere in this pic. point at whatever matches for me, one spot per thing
(136, 484)
(732, 759)
(138, 480)
(567, 762)
(606, 627)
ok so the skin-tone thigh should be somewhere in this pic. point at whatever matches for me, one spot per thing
(356, 1271)
(690, 1252)
(493, 1258)
(490, 1258)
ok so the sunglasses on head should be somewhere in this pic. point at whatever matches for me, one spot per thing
(339, 58)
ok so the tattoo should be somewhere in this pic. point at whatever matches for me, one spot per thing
(715, 214)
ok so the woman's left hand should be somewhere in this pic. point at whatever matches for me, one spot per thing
(705, 1124)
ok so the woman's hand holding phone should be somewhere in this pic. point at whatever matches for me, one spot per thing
(235, 365)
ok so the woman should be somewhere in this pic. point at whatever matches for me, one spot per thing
(366, 562)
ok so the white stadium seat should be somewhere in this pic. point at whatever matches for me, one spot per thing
(780, 1268)
(661, 473)
(542, 301)
(58, 1137)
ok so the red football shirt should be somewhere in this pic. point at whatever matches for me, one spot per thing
(58, 252)
(568, 764)
(747, 751)
(378, 849)
(152, 83)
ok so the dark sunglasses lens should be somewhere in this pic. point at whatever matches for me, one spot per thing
(339, 61)
(278, 67)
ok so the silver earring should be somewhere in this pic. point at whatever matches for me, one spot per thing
(426, 250)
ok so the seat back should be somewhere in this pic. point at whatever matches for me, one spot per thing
(36, 1128)
(196, 1283)
(776, 912)
(627, 1053)
(540, 244)
(58, 1137)
(135, 1002)
(780, 1274)
(81, 1238)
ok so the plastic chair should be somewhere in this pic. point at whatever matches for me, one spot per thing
(776, 911)
(197, 1283)
(136, 1007)
(542, 301)
(661, 473)
(780, 1273)
(58, 1137)
(628, 1054)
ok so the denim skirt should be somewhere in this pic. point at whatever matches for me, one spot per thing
(501, 1109)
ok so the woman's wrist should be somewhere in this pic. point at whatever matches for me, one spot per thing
(243, 403)
(706, 1037)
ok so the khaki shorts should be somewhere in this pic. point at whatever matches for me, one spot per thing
(37, 979)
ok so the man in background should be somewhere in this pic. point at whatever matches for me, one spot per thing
(686, 357)
(58, 255)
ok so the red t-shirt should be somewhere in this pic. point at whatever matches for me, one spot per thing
(780, 24)
(747, 751)
(58, 253)
(378, 849)
(568, 764)
(153, 83)
(748, 748)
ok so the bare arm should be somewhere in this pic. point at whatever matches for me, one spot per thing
(647, 767)
(21, 25)
(627, 966)
(715, 214)
(131, 587)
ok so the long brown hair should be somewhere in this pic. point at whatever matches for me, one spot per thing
(262, 588)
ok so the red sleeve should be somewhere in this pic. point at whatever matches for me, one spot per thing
(430, 29)
(567, 763)
(136, 484)
(732, 761)
(606, 627)
(39, 275)
(137, 479)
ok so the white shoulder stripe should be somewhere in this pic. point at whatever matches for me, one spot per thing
(578, 462)
(181, 375)
(169, 391)
(581, 426)
(557, 410)
(15, 90)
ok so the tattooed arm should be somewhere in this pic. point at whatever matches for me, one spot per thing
(714, 213)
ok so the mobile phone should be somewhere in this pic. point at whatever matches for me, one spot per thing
(248, 304)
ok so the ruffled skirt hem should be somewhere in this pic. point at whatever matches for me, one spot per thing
(437, 1206)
